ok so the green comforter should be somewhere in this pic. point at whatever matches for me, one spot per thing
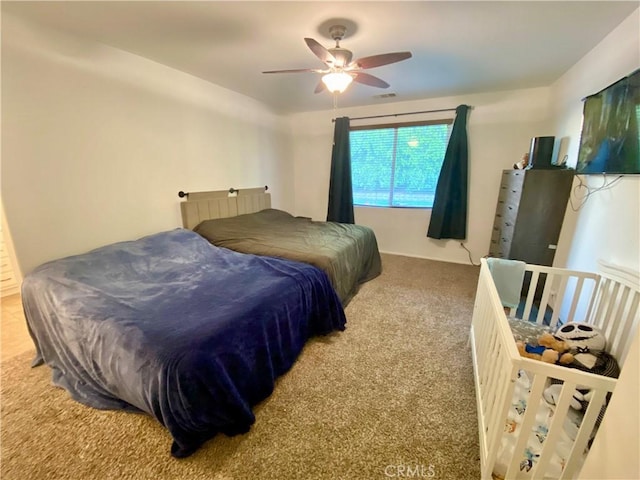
(347, 253)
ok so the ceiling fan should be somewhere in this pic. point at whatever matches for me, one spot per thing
(341, 70)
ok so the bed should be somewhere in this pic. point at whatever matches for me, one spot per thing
(521, 434)
(245, 222)
(168, 324)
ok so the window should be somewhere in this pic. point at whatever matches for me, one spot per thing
(397, 165)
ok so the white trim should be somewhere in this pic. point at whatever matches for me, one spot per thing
(426, 258)
(8, 243)
(624, 275)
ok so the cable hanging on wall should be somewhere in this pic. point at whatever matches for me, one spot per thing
(606, 185)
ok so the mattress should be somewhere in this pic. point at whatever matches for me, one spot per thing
(347, 253)
(537, 436)
(528, 333)
(190, 333)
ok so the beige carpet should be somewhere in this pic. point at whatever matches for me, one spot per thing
(393, 393)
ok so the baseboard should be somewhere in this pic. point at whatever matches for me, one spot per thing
(424, 258)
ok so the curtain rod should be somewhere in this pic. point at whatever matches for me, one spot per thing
(407, 113)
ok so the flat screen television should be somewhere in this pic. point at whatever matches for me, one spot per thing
(610, 129)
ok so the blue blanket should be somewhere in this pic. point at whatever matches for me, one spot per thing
(508, 276)
(171, 325)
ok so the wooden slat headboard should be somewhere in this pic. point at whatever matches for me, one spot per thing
(201, 206)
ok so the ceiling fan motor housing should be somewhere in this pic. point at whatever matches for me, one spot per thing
(342, 56)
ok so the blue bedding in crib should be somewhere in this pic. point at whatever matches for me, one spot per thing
(171, 325)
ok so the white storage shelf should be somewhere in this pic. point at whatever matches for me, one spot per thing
(8, 282)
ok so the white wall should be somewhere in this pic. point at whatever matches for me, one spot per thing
(97, 142)
(500, 128)
(607, 227)
(594, 231)
(614, 454)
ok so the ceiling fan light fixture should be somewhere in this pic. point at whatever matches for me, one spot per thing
(340, 69)
(337, 82)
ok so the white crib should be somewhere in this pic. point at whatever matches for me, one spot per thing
(609, 300)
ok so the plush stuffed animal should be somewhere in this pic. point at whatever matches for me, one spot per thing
(587, 344)
(585, 341)
(522, 164)
(579, 400)
(550, 342)
(549, 350)
(527, 350)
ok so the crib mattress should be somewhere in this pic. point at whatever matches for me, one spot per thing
(527, 332)
(537, 436)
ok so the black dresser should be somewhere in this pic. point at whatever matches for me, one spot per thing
(529, 214)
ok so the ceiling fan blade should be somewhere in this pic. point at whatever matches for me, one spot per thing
(296, 70)
(320, 52)
(379, 60)
(370, 80)
(320, 87)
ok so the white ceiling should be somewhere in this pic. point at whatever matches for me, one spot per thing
(458, 47)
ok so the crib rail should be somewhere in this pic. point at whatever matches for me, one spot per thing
(563, 292)
(541, 374)
(615, 308)
(609, 301)
(495, 360)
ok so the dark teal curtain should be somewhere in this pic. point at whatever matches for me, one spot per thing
(449, 213)
(340, 191)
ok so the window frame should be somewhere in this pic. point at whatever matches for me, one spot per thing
(396, 126)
